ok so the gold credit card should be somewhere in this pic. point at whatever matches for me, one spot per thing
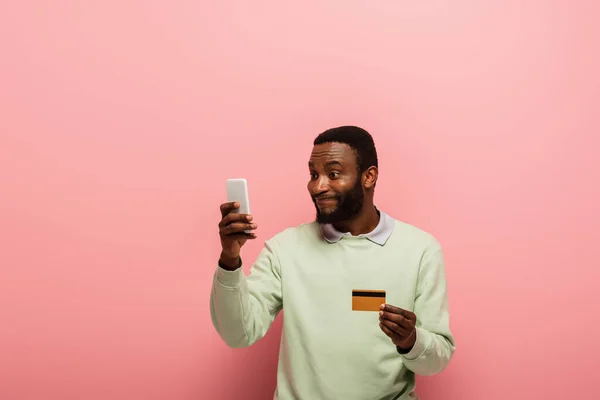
(367, 300)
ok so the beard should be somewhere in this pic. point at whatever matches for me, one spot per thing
(349, 205)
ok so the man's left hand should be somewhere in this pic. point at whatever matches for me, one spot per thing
(399, 325)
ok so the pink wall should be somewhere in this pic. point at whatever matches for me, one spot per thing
(121, 120)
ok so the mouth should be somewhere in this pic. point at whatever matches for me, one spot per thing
(325, 201)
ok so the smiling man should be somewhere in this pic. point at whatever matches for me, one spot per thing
(364, 294)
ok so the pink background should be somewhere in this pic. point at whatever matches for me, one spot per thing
(121, 120)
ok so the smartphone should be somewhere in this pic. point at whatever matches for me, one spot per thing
(237, 190)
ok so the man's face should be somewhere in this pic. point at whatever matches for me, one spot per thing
(335, 185)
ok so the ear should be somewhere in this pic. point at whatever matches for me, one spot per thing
(369, 177)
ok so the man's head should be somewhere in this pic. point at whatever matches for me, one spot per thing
(343, 171)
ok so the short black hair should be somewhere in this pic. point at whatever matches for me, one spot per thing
(358, 139)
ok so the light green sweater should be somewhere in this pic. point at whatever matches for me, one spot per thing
(328, 351)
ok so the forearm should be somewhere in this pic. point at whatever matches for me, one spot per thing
(229, 307)
(434, 345)
(243, 308)
(430, 354)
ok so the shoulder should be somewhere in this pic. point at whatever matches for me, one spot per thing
(417, 237)
(296, 234)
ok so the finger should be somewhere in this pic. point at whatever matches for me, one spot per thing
(393, 309)
(234, 217)
(396, 319)
(401, 331)
(397, 323)
(242, 236)
(237, 227)
(226, 208)
(397, 310)
(392, 335)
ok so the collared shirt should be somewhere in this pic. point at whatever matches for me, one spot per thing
(379, 235)
(314, 280)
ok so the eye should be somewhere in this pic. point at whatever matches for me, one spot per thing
(334, 175)
(313, 176)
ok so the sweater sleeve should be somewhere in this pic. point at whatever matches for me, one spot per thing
(244, 307)
(434, 344)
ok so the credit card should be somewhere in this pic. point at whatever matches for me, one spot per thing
(367, 300)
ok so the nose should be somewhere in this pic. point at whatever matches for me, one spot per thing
(319, 186)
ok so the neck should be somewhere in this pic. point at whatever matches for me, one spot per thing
(365, 222)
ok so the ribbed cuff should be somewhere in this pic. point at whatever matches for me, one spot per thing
(231, 279)
(421, 344)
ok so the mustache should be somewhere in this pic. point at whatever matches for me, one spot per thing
(315, 198)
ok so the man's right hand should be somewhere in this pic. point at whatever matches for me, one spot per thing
(233, 237)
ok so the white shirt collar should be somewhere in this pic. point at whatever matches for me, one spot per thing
(379, 235)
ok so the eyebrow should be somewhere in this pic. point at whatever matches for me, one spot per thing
(328, 163)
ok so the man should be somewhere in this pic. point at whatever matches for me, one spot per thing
(324, 275)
